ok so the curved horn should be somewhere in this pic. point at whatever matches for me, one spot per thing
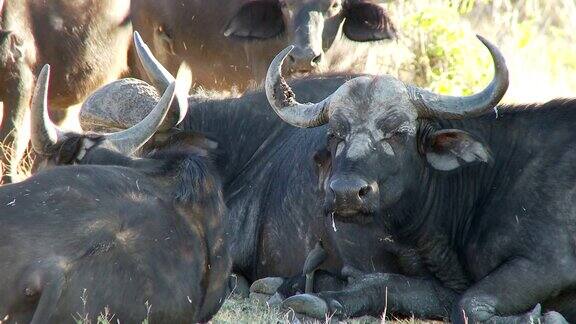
(45, 133)
(161, 78)
(131, 139)
(433, 105)
(282, 99)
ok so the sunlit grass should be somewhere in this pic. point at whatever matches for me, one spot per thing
(25, 166)
(238, 310)
(437, 48)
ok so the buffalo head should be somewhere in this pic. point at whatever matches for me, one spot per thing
(312, 26)
(381, 135)
(54, 146)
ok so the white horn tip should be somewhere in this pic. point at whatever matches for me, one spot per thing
(46, 68)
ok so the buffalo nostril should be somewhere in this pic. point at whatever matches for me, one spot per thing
(317, 59)
(364, 191)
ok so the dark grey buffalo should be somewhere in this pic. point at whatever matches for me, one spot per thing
(484, 193)
(86, 42)
(231, 43)
(140, 238)
(272, 174)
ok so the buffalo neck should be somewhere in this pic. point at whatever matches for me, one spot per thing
(450, 204)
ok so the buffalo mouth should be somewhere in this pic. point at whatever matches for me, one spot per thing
(300, 73)
(360, 217)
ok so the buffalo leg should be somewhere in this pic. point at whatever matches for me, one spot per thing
(48, 300)
(275, 289)
(19, 79)
(45, 280)
(373, 293)
(511, 294)
(314, 259)
(238, 285)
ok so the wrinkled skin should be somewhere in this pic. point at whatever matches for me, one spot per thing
(86, 43)
(478, 198)
(231, 43)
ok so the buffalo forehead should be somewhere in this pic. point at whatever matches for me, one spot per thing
(360, 146)
(368, 101)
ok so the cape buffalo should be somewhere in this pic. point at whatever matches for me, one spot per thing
(270, 186)
(485, 195)
(231, 43)
(85, 41)
(139, 238)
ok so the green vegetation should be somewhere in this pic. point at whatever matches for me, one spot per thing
(438, 49)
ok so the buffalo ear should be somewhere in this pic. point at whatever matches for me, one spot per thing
(69, 150)
(167, 39)
(450, 149)
(367, 21)
(256, 20)
(190, 140)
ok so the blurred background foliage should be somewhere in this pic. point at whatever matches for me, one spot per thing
(437, 48)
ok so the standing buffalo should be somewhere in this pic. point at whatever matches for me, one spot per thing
(85, 41)
(140, 238)
(231, 43)
(271, 183)
(485, 195)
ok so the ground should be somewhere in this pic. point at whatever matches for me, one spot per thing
(243, 310)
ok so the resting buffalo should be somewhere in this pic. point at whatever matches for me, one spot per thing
(270, 186)
(231, 43)
(141, 238)
(85, 41)
(484, 193)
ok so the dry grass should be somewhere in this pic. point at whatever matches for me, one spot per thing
(25, 166)
(237, 310)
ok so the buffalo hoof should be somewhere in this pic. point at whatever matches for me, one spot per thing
(259, 298)
(238, 285)
(275, 300)
(533, 316)
(306, 304)
(267, 286)
(553, 318)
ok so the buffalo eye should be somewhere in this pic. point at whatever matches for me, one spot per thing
(367, 21)
(333, 138)
(256, 20)
(389, 135)
(337, 134)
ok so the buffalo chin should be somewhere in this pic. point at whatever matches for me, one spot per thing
(353, 217)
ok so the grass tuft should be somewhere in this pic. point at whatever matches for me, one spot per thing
(25, 166)
(245, 311)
